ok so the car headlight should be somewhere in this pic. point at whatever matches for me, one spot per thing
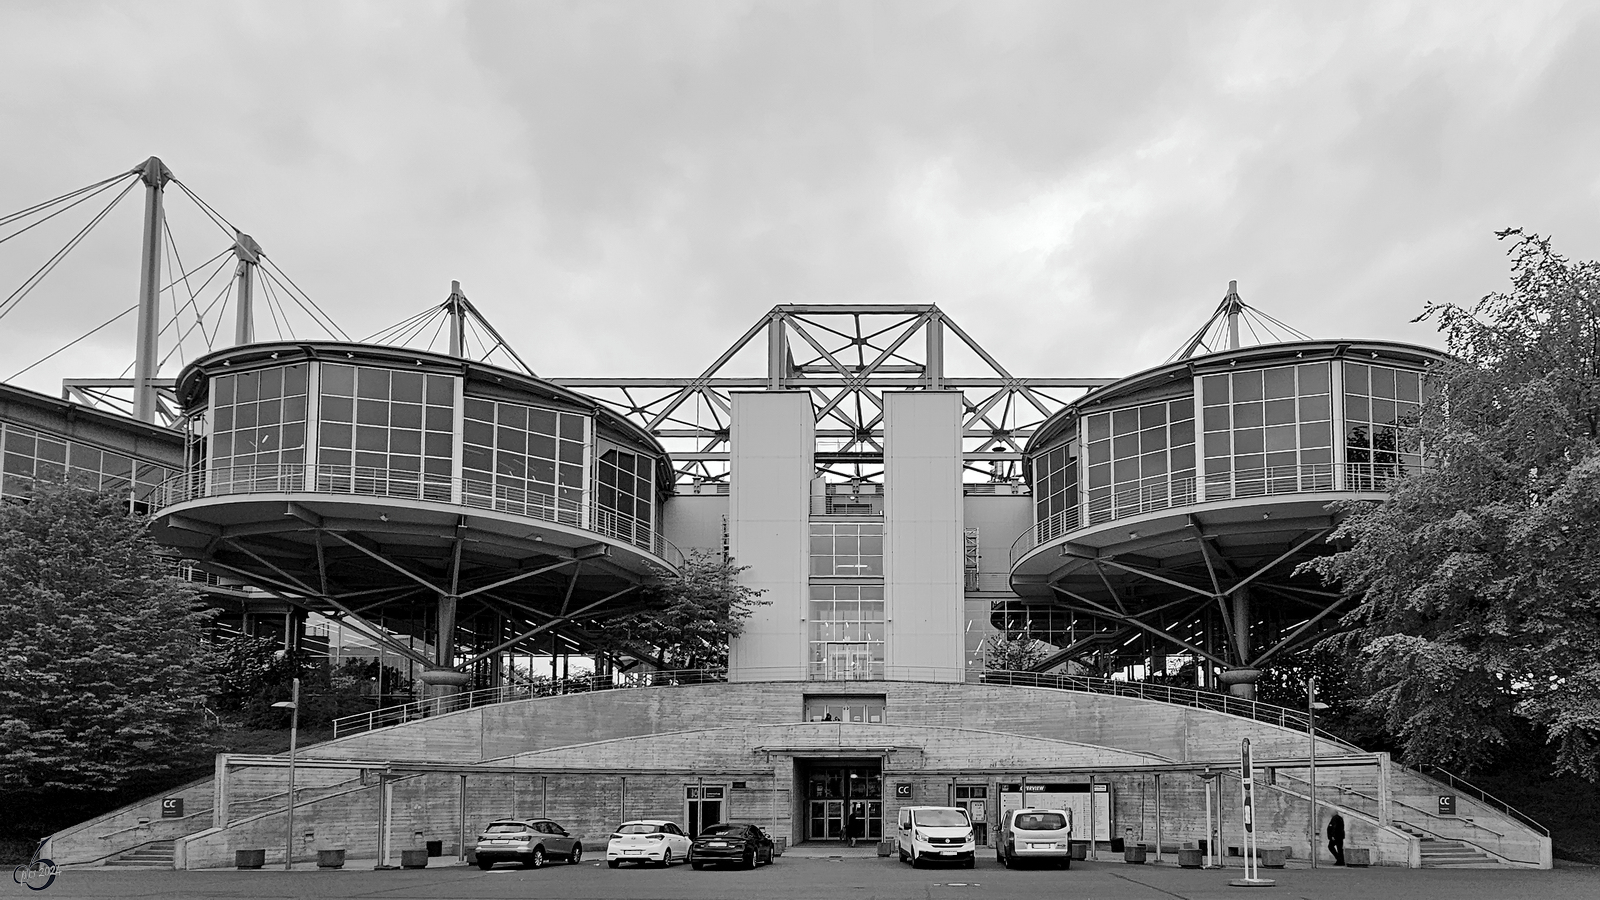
(968, 837)
(917, 834)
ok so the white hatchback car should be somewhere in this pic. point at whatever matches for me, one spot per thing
(647, 841)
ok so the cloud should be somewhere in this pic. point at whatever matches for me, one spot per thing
(624, 188)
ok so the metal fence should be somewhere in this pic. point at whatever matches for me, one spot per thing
(1170, 492)
(1161, 693)
(372, 482)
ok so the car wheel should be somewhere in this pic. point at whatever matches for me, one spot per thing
(577, 854)
(750, 859)
(1066, 862)
(666, 858)
(613, 863)
(903, 858)
(696, 864)
(536, 859)
(916, 861)
(973, 862)
(486, 864)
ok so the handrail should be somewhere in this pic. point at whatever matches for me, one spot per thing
(1465, 820)
(1171, 492)
(153, 822)
(1481, 796)
(373, 482)
(438, 706)
(1265, 713)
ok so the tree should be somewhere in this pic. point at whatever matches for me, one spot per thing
(102, 659)
(1014, 651)
(690, 617)
(1480, 612)
(252, 673)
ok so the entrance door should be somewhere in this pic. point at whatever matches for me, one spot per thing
(833, 790)
(702, 812)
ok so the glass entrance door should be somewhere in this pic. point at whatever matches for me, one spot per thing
(833, 791)
(703, 806)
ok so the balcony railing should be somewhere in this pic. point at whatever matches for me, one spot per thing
(371, 482)
(1170, 492)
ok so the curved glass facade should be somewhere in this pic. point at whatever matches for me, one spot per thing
(258, 422)
(385, 426)
(1268, 431)
(525, 459)
(1140, 458)
(1381, 406)
(1270, 428)
(383, 430)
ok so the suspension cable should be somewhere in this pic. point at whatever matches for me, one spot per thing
(11, 301)
(69, 344)
(331, 326)
(217, 218)
(8, 219)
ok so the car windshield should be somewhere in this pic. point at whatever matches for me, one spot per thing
(941, 818)
(638, 828)
(721, 830)
(506, 828)
(1041, 821)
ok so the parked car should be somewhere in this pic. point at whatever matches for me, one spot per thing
(532, 842)
(935, 833)
(731, 842)
(1034, 834)
(647, 840)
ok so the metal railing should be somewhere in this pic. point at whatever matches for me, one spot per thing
(1487, 799)
(1265, 713)
(508, 693)
(294, 478)
(1170, 492)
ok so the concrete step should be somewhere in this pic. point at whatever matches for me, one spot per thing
(154, 855)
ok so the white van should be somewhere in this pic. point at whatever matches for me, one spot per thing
(1042, 834)
(935, 834)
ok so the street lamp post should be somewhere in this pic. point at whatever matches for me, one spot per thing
(1311, 777)
(294, 733)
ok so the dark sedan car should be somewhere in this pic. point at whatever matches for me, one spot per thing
(731, 842)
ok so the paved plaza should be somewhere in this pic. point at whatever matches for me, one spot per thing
(805, 877)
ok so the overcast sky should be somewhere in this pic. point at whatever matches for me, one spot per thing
(626, 187)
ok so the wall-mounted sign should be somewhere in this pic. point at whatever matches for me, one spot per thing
(1447, 804)
(171, 807)
(902, 790)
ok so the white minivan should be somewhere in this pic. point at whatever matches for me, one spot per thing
(935, 834)
(1034, 834)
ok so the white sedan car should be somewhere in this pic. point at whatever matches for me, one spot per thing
(647, 840)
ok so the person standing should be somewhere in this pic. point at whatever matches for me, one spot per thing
(852, 824)
(1336, 838)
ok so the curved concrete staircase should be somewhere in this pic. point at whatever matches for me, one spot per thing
(584, 742)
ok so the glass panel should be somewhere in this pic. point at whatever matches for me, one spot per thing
(338, 380)
(1313, 378)
(1246, 386)
(1279, 383)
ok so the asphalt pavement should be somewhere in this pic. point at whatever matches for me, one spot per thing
(797, 878)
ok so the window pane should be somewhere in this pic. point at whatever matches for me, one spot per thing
(407, 387)
(1279, 383)
(1246, 386)
(338, 380)
(1313, 378)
